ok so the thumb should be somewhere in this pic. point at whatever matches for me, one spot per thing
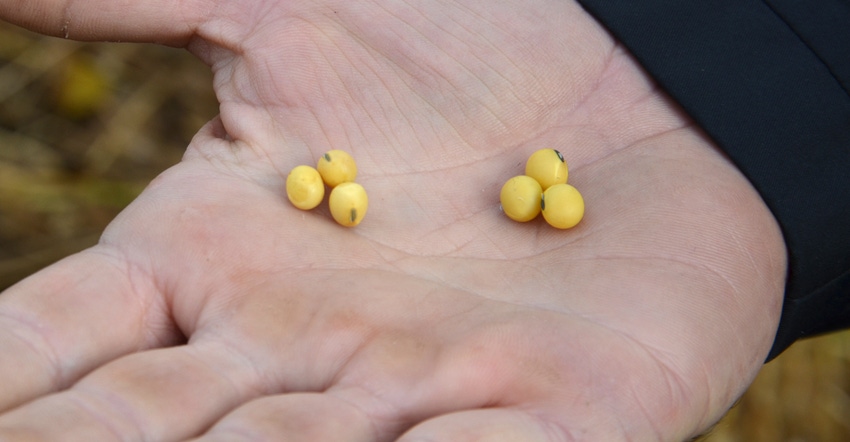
(170, 22)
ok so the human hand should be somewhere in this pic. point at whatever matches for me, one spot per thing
(212, 308)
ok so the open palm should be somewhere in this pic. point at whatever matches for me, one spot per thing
(213, 308)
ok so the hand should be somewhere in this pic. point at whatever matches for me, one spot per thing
(213, 308)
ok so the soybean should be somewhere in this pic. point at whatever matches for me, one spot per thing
(348, 203)
(548, 167)
(337, 167)
(520, 198)
(562, 206)
(304, 187)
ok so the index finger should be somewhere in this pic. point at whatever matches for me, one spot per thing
(156, 21)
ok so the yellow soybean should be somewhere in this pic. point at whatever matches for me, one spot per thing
(548, 167)
(304, 187)
(348, 203)
(562, 206)
(337, 167)
(520, 198)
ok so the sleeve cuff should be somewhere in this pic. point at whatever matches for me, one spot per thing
(774, 99)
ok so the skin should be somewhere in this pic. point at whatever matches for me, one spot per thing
(213, 308)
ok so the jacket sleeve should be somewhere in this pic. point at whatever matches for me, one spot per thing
(769, 82)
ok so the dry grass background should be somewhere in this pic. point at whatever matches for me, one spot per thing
(84, 127)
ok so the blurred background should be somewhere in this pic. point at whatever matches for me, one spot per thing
(84, 127)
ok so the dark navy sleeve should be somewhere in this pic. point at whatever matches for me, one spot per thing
(769, 82)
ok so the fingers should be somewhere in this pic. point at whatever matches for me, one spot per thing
(60, 323)
(490, 425)
(163, 394)
(295, 417)
(160, 21)
(323, 417)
